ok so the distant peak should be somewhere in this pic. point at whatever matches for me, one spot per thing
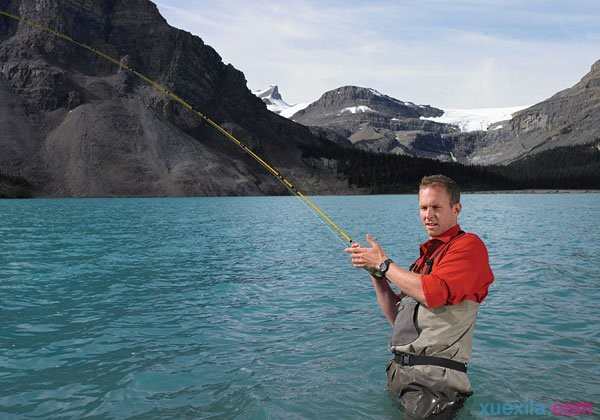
(275, 103)
(355, 96)
(272, 92)
(352, 88)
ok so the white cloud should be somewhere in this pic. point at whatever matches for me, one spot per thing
(308, 48)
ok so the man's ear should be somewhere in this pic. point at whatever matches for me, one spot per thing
(456, 208)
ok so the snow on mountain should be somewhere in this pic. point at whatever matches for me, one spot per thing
(355, 109)
(476, 118)
(275, 103)
(287, 113)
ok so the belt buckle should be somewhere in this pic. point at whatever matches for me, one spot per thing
(404, 359)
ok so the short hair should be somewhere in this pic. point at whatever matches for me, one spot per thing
(446, 182)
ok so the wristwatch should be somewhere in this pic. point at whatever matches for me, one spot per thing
(384, 266)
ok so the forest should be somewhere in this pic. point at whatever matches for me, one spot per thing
(573, 167)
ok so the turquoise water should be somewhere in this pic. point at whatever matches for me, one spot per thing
(248, 308)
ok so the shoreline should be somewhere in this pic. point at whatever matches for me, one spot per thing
(526, 191)
(535, 191)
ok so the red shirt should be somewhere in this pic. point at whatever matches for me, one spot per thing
(462, 272)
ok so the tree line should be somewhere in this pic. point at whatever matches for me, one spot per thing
(572, 167)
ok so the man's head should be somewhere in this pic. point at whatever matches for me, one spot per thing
(439, 204)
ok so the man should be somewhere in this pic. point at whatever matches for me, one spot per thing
(433, 316)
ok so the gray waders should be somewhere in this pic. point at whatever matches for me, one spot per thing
(431, 347)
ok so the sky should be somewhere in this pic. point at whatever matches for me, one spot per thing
(445, 53)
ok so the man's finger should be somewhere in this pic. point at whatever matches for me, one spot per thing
(371, 240)
(353, 249)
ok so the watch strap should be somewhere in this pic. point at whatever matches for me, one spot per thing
(374, 272)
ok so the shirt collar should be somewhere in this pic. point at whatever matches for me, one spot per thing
(444, 238)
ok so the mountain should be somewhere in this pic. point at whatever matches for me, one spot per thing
(570, 117)
(356, 104)
(372, 121)
(473, 119)
(376, 122)
(74, 124)
(275, 103)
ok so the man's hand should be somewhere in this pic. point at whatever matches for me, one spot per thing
(369, 258)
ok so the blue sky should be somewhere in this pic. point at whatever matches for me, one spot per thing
(454, 53)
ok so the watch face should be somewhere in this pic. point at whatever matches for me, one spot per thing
(383, 267)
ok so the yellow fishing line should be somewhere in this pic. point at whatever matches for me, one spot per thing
(341, 233)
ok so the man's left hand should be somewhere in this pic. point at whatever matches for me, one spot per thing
(369, 258)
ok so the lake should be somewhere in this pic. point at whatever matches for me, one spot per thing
(248, 308)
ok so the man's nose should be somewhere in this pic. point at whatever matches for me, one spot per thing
(429, 212)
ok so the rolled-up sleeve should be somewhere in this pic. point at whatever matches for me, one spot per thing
(462, 273)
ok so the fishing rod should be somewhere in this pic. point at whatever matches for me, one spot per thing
(325, 218)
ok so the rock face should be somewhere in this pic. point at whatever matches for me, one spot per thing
(349, 106)
(570, 117)
(377, 122)
(77, 125)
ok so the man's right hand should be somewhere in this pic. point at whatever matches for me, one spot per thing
(372, 271)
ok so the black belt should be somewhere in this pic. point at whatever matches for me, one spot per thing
(406, 359)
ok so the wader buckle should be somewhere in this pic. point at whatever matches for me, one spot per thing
(403, 359)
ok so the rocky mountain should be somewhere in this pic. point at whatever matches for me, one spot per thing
(353, 104)
(74, 124)
(377, 122)
(570, 117)
(275, 103)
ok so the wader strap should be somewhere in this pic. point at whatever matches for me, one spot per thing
(439, 252)
(406, 359)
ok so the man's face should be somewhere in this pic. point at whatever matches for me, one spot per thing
(437, 215)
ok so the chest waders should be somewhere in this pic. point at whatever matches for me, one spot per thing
(431, 347)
